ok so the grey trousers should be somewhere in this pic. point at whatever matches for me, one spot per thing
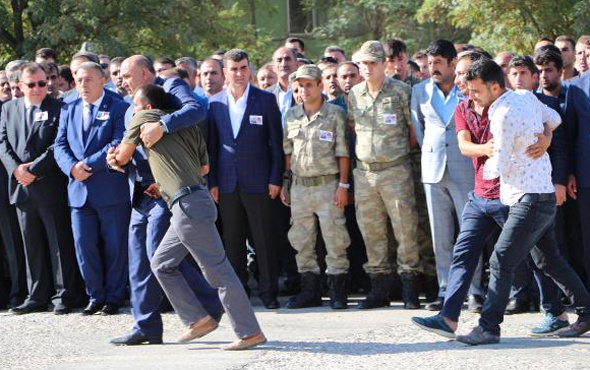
(192, 230)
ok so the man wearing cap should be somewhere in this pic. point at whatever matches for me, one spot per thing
(316, 152)
(379, 113)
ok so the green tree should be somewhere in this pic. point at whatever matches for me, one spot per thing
(124, 27)
(512, 25)
(348, 23)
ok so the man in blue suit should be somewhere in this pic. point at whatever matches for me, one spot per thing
(246, 156)
(447, 175)
(98, 198)
(577, 126)
(150, 216)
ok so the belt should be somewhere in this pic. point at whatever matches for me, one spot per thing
(182, 192)
(380, 166)
(315, 180)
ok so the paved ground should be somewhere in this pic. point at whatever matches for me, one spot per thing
(303, 339)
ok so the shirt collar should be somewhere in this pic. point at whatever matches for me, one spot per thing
(95, 103)
(28, 104)
(242, 100)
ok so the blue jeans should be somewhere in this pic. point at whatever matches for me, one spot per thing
(479, 219)
(528, 229)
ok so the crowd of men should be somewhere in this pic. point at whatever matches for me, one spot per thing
(371, 172)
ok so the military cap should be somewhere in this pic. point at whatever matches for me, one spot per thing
(371, 51)
(308, 71)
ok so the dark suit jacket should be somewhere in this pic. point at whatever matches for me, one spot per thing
(254, 159)
(103, 187)
(558, 151)
(577, 125)
(17, 147)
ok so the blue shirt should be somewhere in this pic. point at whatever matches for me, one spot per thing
(445, 105)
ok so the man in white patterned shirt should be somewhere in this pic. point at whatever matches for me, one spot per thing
(526, 186)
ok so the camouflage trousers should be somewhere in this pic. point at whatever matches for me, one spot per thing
(379, 194)
(307, 202)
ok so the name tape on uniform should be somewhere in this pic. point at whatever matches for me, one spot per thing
(390, 119)
(326, 135)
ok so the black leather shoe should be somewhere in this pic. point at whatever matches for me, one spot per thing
(110, 309)
(28, 307)
(435, 305)
(61, 309)
(475, 303)
(135, 339)
(516, 306)
(271, 303)
(92, 308)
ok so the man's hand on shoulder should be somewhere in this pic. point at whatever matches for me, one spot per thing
(151, 133)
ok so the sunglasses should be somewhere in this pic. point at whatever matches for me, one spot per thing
(31, 85)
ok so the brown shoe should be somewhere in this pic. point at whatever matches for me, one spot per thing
(246, 343)
(199, 329)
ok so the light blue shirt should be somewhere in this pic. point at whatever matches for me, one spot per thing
(445, 105)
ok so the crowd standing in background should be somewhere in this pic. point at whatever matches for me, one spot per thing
(449, 175)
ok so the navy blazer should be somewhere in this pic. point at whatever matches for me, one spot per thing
(254, 159)
(577, 126)
(558, 151)
(103, 187)
(35, 145)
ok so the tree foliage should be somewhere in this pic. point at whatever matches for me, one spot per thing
(123, 27)
(513, 25)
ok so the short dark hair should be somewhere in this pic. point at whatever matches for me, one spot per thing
(335, 49)
(473, 55)
(545, 56)
(165, 60)
(420, 54)
(152, 94)
(486, 70)
(298, 40)
(566, 38)
(66, 73)
(212, 60)
(443, 48)
(414, 66)
(46, 53)
(235, 55)
(117, 60)
(523, 61)
(89, 56)
(350, 63)
(545, 38)
(394, 47)
(48, 67)
(219, 52)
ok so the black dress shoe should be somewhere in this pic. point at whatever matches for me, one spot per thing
(110, 309)
(135, 339)
(436, 305)
(516, 306)
(271, 303)
(61, 309)
(92, 308)
(28, 307)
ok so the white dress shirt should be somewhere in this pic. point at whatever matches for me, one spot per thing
(237, 108)
(515, 118)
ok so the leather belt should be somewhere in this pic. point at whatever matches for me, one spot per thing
(380, 166)
(182, 192)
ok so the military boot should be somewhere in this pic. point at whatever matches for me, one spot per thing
(379, 294)
(310, 295)
(395, 293)
(338, 296)
(430, 287)
(411, 290)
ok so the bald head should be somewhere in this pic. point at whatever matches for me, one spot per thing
(137, 71)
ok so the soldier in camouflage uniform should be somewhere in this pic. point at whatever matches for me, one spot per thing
(317, 154)
(396, 60)
(379, 114)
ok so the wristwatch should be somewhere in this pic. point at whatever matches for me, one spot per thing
(344, 185)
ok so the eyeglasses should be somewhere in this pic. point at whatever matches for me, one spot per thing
(32, 85)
